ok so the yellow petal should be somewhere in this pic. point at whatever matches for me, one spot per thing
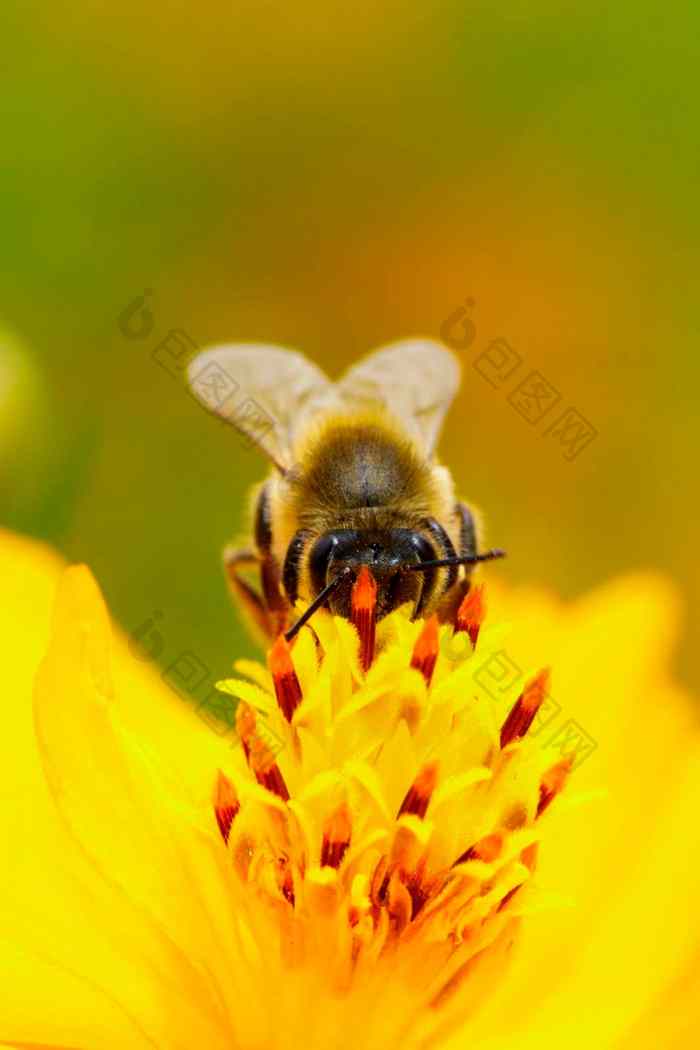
(631, 862)
(117, 900)
(102, 897)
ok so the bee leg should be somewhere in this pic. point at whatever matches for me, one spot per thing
(444, 548)
(454, 597)
(278, 606)
(467, 530)
(250, 602)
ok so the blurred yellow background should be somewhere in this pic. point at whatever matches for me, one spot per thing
(332, 179)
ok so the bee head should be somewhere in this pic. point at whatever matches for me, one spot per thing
(338, 556)
(402, 564)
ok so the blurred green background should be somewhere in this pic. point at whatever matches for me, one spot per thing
(332, 179)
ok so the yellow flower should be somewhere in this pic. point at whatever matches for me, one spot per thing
(371, 857)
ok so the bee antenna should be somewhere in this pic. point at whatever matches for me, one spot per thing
(318, 601)
(467, 559)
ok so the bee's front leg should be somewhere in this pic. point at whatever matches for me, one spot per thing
(266, 611)
(452, 600)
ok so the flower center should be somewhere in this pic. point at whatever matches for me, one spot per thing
(383, 815)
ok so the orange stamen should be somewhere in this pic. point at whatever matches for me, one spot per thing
(472, 613)
(336, 837)
(508, 897)
(260, 758)
(399, 904)
(418, 795)
(525, 708)
(553, 782)
(364, 614)
(425, 651)
(245, 726)
(267, 772)
(226, 804)
(285, 880)
(379, 881)
(284, 677)
(486, 849)
(529, 855)
(420, 890)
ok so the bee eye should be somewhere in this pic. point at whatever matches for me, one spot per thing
(423, 548)
(319, 560)
(426, 552)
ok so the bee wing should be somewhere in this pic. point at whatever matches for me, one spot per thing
(265, 392)
(416, 379)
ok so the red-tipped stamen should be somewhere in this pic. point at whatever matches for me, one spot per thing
(336, 837)
(425, 651)
(226, 804)
(245, 726)
(418, 795)
(529, 855)
(420, 888)
(284, 677)
(508, 897)
(285, 881)
(525, 708)
(398, 903)
(364, 614)
(379, 881)
(267, 772)
(472, 613)
(553, 782)
(260, 758)
(486, 849)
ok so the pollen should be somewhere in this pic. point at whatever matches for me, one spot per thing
(364, 614)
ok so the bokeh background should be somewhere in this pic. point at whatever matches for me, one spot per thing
(331, 179)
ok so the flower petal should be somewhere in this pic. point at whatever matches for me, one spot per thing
(581, 980)
(102, 893)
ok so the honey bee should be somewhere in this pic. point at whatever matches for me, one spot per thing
(354, 481)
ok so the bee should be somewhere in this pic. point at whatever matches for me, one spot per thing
(354, 481)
